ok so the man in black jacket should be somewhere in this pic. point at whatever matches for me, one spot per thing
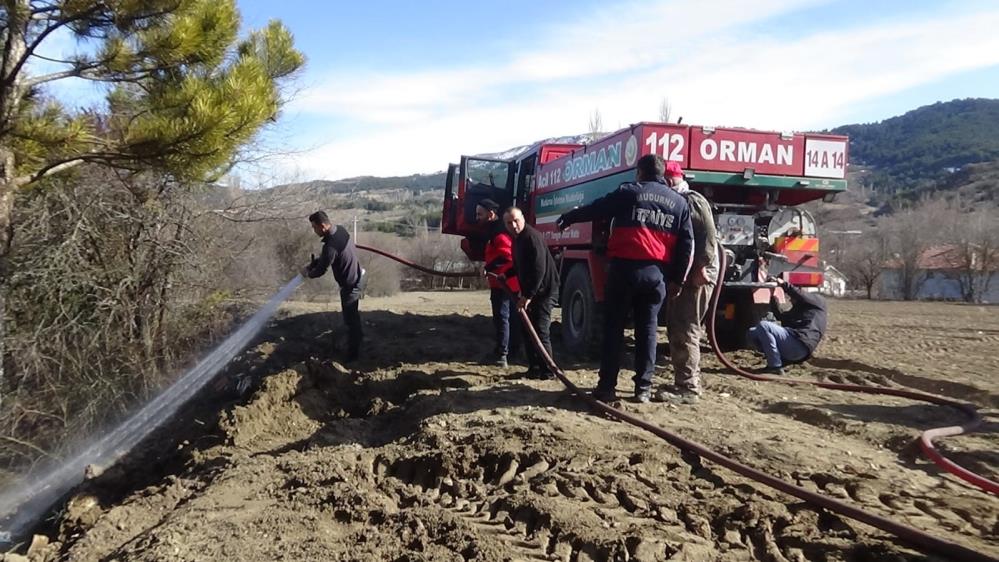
(799, 333)
(539, 282)
(651, 241)
(340, 255)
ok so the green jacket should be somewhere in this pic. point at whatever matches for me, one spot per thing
(705, 233)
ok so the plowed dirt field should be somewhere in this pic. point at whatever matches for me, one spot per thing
(418, 452)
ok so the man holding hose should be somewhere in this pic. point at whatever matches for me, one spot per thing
(340, 256)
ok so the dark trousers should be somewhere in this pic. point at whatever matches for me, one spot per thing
(350, 300)
(506, 331)
(540, 312)
(640, 288)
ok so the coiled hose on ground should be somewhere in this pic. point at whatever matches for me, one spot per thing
(919, 539)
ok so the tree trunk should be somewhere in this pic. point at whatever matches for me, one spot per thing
(6, 239)
(18, 16)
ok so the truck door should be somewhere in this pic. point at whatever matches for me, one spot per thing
(471, 181)
(449, 216)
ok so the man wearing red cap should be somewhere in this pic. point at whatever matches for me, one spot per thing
(685, 312)
(650, 243)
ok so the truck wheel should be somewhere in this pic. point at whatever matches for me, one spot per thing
(582, 318)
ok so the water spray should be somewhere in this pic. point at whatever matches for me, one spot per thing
(24, 502)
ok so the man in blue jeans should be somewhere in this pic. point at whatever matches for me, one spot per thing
(799, 333)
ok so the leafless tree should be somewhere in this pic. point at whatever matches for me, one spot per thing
(665, 110)
(596, 125)
(863, 260)
(910, 233)
(973, 245)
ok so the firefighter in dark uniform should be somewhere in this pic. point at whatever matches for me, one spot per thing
(651, 242)
(340, 255)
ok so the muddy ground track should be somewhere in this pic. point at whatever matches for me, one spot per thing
(390, 446)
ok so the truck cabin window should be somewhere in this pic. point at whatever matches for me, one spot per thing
(485, 180)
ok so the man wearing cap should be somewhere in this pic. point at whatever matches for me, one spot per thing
(340, 256)
(651, 239)
(502, 282)
(685, 312)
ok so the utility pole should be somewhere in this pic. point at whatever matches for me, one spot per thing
(355, 229)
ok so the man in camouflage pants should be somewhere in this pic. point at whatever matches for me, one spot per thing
(685, 313)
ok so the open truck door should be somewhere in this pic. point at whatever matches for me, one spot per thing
(474, 179)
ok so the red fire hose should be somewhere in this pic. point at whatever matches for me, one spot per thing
(925, 439)
(919, 539)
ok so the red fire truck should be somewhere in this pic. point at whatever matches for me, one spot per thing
(755, 180)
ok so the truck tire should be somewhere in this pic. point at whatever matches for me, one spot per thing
(582, 317)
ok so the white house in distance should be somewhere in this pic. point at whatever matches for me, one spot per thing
(938, 277)
(833, 282)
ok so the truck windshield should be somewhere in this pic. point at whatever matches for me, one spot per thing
(492, 174)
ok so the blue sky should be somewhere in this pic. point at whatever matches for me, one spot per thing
(395, 87)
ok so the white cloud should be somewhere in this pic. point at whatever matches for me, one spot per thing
(624, 61)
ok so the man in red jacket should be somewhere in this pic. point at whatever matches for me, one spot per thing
(499, 261)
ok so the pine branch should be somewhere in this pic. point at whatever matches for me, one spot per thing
(53, 168)
(56, 24)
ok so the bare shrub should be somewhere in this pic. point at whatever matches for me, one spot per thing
(384, 275)
(101, 305)
(440, 252)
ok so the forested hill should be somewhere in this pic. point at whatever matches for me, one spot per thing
(920, 148)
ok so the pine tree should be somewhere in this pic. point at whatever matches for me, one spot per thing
(184, 92)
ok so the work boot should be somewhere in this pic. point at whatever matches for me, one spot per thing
(542, 375)
(643, 395)
(676, 395)
(605, 396)
(530, 373)
(489, 358)
(501, 362)
(768, 370)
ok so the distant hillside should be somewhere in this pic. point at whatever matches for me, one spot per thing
(919, 150)
(974, 183)
(415, 182)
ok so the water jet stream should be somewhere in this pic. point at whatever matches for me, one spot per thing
(24, 502)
